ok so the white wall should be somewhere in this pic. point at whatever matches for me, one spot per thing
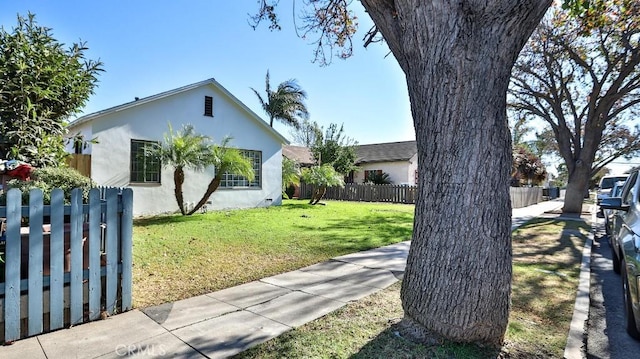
(110, 161)
(400, 172)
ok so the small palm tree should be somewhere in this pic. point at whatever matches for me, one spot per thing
(290, 174)
(322, 177)
(286, 103)
(224, 159)
(181, 150)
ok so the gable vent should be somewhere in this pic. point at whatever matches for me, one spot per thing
(208, 106)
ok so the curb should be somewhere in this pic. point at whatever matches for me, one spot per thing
(577, 329)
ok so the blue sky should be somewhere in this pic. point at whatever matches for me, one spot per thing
(152, 46)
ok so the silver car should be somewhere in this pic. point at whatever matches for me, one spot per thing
(625, 243)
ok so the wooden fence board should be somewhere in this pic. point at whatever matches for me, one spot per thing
(76, 290)
(111, 250)
(12, 267)
(95, 282)
(56, 255)
(36, 246)
(126, 234)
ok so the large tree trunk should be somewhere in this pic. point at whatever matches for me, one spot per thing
(577, 187)
(457, 57)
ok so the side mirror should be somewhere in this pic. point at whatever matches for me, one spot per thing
(613, 203)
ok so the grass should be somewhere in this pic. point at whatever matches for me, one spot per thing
(177, 257)
(547, 256)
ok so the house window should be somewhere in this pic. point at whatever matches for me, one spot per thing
(370, 174)
(230, 180)
(208, 106)
(144, 169)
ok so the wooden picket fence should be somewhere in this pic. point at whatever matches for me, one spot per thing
(71, 265)
(525, 196)
(364, 192)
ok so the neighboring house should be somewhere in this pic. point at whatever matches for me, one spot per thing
(302, 155)
(398, 159)
(124, 131)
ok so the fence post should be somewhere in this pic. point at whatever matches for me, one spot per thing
(12, 267)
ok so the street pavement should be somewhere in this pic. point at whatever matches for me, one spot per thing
(606, 334)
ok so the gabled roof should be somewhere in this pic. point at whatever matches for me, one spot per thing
(386, 152)
(300, 154)
(211, 81)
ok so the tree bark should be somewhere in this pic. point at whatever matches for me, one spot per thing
(577, 187)
(178, 181)
(318, 194)
(212, 187)
(457, 57)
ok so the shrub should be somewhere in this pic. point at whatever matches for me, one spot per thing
(48, 179)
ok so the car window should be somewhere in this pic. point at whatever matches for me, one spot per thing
(629, 189)
(609, 182)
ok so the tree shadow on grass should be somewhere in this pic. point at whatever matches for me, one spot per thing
(373, 230)
(390, 344)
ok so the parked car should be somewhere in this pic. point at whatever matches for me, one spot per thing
(606, 184)
(609, 214)
(625, 243)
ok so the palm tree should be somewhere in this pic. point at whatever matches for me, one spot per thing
(180, 150)
(321, 177)
(285, 104)
(224, 159)
(290, 174)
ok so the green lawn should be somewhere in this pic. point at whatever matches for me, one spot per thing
(177, 257)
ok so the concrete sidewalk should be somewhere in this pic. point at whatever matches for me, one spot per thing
(224, 323)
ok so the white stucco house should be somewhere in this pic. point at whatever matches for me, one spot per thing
(123, 132)
(398, 159)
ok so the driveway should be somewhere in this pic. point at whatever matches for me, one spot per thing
(606, 336)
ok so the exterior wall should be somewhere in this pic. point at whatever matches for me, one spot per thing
(85, 130)
(400, 172)
(149, 121)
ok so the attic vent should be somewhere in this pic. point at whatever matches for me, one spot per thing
(208, 106)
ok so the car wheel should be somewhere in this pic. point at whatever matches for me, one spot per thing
(615, 259)
(629, 317)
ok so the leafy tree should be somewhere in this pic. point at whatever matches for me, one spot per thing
(224, 159)
(584, 84)
(285, 104)
(182, 150)
(307, 134)
(457, 58)
(41, 85)
(527, 168)
(290, 174)
(563, 176)
(334, 148)
(321, 177)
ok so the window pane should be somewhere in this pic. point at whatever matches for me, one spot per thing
(230, 180)
(144, 169)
